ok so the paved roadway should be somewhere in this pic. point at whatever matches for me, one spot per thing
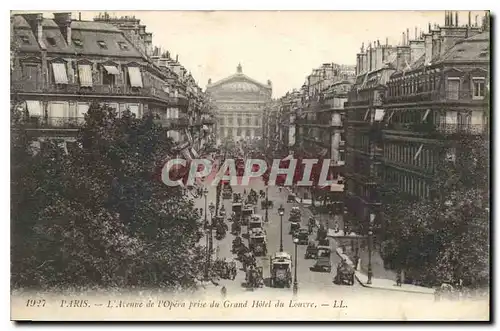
(308, 281)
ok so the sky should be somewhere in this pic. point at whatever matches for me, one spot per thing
(282, 46)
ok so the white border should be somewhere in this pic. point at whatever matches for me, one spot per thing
(183, 5)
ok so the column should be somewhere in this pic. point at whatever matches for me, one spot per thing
(252, 133)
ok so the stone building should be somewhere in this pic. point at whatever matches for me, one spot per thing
(240, 102)
(60, 65)
(410, 107)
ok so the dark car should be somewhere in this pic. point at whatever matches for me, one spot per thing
(294, 226)
(323, 264)
(303, 236)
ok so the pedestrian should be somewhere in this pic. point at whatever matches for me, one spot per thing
(223, 292)
(398, 278)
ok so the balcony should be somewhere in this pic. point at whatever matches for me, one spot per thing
(450, 129)
(54, 123)
(448, 96)
(121, 90)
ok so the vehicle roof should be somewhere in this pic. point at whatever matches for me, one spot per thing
(284, 255)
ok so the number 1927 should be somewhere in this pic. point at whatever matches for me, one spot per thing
(35, 303)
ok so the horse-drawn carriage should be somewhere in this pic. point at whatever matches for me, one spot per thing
(257, 242)
(295, 215)
(281, 270)
(220, 231)
(345, 274)
(225, 270)
(266, 204)
(254, 277)
(235, 228)
(252, 198)
(311, 250)
(227, 192)
(237, 207)
(294, 227)
(246, 213)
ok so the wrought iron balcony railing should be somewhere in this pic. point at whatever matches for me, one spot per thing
(27, 86)
(51, 122)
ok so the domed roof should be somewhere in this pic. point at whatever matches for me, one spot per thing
(240, 87)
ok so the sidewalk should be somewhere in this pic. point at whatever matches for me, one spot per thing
(388, 277)
(383, 284)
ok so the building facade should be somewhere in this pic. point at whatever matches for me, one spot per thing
(410, 108)
(60, 66)
(319, 123)
(240, 103)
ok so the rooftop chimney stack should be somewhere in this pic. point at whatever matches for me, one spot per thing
(63, 21)
(470, 22)
(456, 19)
(35, 21)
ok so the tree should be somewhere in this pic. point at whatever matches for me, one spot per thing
(445, 238)
(98, 216)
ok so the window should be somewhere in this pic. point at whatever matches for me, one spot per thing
(108, 79)
(102, 44)
(25, 40)
(477, 88)
(453, 89)
(51, 41)
(248, 121)
(123, 45)
(78, 43)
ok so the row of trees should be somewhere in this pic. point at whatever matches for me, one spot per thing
(445, 239)
(98, 216)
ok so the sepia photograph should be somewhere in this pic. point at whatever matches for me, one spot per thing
(250, 165)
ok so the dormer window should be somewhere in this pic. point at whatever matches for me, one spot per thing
(102, 44)
(25, 40)
(123, 45)
(51, 41)
(78, 42)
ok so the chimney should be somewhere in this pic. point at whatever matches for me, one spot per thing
(436, 43)
(417, 49)
(148, 43)
(142, 30)
(63, 21)
(35, 21)
(404, 40)
(177, 58)
(456, 18)
(403, 57)
(428, 48)
(407, 37)
(469, 23)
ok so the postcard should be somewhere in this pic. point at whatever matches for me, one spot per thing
(250, 166)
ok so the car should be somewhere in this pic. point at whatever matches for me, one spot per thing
(323, 264)
(302, 235)
(294, 226)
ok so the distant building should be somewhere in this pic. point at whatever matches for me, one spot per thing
(240, 102)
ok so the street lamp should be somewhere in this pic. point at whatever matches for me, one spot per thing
(267, 203)
(205, 193)
(370, 272)
(281, 212)
(295, 280)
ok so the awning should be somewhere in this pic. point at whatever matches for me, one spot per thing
(134, 109)
(85, 75)
(112, 70)
(34, 108)
(134, 74)
(379, 114)
(82, 109)
(60, 75)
